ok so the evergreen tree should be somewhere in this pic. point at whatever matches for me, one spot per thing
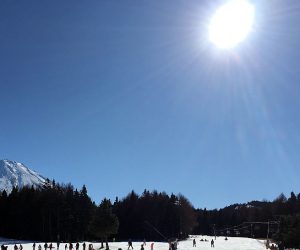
(289, 231)
(104, 223)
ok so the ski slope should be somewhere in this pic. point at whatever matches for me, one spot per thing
(220, 243)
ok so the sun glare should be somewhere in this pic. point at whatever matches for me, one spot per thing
(231, 23)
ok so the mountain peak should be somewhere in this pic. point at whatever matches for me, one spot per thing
(15, 174)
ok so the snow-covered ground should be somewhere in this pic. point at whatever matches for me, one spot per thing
(220, 243)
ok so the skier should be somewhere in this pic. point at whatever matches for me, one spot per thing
(45, 246)
(172, 245)
(130, 244)
(57, 245)
(212, 243)
(15, 247)
(70, 246)
(268, 244)
(142, 247)
(280, 246)
(21, 247)
(77, 246)
(83, 245)
(50, 246)
(194, 242)
(33, 246)
(152, 245)
(39, 247)
(66, 246)
(176, 244)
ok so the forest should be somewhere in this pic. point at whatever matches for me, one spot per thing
(59, 212)
(278, 219)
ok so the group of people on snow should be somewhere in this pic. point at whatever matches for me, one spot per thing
(173, 244)
(18, 248)
(212, 242)
(67, 246)
(142, 245)
(273, 246)
(50, 246)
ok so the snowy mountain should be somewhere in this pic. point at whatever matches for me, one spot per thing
(14, 174)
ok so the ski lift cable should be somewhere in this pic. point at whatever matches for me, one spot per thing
(249, 223)
(155, 229)
(230, 228)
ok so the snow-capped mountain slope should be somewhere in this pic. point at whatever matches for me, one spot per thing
(14, 174)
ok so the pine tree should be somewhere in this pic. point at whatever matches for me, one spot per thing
(104, 223)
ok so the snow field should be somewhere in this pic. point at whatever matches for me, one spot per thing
(233, 243)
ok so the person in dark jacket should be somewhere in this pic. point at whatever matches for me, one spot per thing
(130, 244)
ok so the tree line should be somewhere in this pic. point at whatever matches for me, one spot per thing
(54, 212)
(58, 212)
(154, 215)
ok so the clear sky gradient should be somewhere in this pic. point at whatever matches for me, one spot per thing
(123, 95)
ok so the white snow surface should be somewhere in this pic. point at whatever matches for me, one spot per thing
(233, 243)
(15, 174)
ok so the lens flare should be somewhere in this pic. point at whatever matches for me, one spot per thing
(231, 23)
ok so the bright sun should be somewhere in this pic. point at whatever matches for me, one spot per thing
(231, 23)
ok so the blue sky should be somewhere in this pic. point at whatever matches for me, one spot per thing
(123, 95)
